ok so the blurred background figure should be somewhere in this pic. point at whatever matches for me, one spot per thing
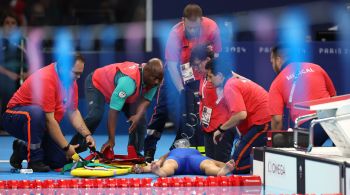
(13, 66)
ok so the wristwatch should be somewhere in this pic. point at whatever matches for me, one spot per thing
(221, 130)
(66, 148)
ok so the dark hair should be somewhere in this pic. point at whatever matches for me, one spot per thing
(11, 15)
(192, 11)
(78, 56)
(218, 65)
(201, 52)
(280, 50)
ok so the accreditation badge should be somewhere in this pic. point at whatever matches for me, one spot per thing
(206, 115)
(187, 73)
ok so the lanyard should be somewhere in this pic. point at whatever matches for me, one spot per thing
(219, 92)
(291, 94)
(203, 86)
(295, 79)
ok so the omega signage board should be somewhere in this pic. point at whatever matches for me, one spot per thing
(347, 179)
(322, 177)
(297, 172)
(281, 172)
(258, 162)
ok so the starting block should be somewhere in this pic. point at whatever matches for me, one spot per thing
(333, 114)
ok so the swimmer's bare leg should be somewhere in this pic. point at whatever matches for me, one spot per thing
(209, 167)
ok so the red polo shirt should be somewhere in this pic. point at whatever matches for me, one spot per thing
(312, 83)
(178, 48)
(245, 95)
(212, 100)
(43, 88)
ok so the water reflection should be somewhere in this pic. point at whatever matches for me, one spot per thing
(139, 191)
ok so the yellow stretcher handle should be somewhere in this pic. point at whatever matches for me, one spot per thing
(75, 157)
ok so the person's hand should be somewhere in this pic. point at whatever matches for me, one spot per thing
(134, 121)
(137, 168)
(13, 76)
(90, 141)
(109, 143)
(217, 136)
(158, 163)
(71, 151)
(155, 166)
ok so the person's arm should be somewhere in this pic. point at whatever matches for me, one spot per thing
(147, 168)
(78, 123)
(175, 75)
(162, 159)
(236, 105)
(111, 125)
(57, 135)
(234, 120)
(230, 123)
(140, 111)
(126, 87)
(173, 58)
(276, 122)
(276, 106)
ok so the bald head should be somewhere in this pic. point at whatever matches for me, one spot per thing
(153, 72)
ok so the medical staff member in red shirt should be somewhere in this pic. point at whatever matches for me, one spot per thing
(246, 108)
(34, 112)
(194, 29)
(296, 82)
(211, 108)
(128, 87)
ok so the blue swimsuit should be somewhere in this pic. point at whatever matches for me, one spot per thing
(189, 161)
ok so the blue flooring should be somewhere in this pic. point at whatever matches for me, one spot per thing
(120, 148)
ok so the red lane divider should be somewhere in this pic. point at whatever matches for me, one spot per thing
(232, 180)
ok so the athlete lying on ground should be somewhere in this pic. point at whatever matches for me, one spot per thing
(186, 161)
